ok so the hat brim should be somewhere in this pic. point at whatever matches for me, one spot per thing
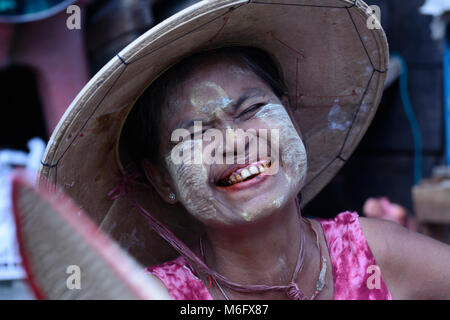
(334, 66)
(58, 242)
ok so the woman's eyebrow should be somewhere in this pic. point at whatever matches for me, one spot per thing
(248, 93)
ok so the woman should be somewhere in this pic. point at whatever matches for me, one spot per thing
(240, 219)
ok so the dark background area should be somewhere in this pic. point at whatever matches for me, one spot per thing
(22, 117)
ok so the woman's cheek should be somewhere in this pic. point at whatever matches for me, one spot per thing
(190, 175)
(191, 180)
(291, 151)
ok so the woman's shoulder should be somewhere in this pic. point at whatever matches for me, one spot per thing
(344, 235)
(421, 261)
(342, 218)
(355, 266)
(179, 278)
(345, 223)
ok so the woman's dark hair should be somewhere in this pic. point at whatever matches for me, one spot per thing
(140, 137)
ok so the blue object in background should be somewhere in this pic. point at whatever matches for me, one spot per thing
(446, 76)
(414, 125)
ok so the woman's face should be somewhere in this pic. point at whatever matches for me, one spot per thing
(221, 112)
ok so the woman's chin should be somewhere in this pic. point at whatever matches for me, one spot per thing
(253, 209)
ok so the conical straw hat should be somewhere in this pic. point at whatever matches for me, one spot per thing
(333, 61)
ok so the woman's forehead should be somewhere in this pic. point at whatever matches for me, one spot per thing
(225, 72)
(208, 101)
(219, 82)
(213, 87)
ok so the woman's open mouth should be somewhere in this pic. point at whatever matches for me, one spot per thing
(243, 174)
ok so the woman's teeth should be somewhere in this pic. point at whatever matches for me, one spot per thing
(245, 173)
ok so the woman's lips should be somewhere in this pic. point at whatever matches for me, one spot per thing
(245, 174)
(245, 184)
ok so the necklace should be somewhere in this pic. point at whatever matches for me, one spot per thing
(293, 291)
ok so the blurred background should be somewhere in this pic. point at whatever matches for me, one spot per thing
(398, 172)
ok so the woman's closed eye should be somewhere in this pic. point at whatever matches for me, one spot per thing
(250, 111)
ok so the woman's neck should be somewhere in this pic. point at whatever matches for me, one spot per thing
(265, 252)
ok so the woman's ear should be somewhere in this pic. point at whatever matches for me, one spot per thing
(160, 181)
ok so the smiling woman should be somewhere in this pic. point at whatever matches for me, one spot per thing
(232, 89)
(228, 90)
(234, 224)
(144, 126)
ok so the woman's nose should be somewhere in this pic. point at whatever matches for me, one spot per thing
(237, 142)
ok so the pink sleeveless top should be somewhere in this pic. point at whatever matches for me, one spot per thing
(355, 275)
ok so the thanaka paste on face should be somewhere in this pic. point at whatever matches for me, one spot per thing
(293, 153)
(210, 99)
(192, 182)
(191, 178)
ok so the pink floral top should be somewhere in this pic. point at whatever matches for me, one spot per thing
(355, 272)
